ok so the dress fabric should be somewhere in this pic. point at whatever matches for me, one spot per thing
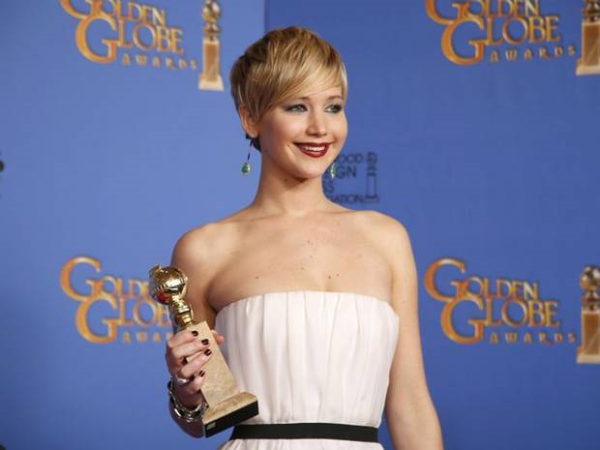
(310, 356)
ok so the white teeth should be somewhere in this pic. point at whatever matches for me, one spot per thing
(313, 149)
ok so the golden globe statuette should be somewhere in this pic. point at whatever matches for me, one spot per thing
(589, 350)
(227, 406)
(210, 78)
(589, 63)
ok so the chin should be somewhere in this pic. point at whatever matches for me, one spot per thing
(309, 174)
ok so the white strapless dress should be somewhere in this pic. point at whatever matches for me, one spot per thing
(310, 356)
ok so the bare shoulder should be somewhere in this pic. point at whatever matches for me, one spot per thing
(387, 231)
(200, 253)
(197, 245)
(208, 242)
(393, 241)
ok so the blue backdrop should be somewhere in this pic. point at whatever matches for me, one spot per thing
(467, 123)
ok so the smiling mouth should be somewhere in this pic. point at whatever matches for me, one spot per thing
(313, 150)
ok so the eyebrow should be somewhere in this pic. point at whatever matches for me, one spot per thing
(331, 97)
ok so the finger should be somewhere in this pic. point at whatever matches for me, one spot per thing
(187, 350)
(192, 389)
(195, 365)
(180, 356)
(181, 338)
(190, 395)
(218, 337)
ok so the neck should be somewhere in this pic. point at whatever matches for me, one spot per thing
(281, 193)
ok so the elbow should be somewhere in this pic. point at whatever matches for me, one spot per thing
(414, 426)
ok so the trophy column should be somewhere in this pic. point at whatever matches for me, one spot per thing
(589, 63)
(589, 350)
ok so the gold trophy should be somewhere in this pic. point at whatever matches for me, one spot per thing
(227, 406)
(589, 350)
(210, 78)
(589, 63)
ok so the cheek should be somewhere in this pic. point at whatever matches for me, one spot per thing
(273, 138)
(283, 134)
(341, 130)
(269, 134)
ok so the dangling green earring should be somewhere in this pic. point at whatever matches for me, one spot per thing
(246, 165)
(332, 170)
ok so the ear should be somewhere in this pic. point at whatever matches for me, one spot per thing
(249, 124)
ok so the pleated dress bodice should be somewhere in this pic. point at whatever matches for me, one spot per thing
(310, 356)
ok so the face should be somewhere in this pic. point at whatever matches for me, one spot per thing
(304, 135)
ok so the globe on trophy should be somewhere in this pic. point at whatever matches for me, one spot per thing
(227, 406)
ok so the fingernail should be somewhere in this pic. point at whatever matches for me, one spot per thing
(194, 332)
(207, 352)
(202, 373)
(205, 341)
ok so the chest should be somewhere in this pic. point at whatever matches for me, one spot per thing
(279, 257)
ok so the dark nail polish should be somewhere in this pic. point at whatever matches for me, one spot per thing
(207, 352)
(205, 341)
(202, 373)
(194, 332)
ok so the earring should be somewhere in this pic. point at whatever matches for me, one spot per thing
(332, 170)
(246, 165)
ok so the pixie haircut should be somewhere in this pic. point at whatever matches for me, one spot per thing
(280, 65)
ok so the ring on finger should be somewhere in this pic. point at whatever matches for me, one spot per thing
(181, 381)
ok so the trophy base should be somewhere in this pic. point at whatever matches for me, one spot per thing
(207, 83)
(583, 69)
(587, 358)
(229, 412)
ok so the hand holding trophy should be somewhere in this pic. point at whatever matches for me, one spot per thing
(225, 405)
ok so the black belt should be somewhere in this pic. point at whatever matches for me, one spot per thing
(305, 431)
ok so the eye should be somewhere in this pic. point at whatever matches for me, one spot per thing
(335, 108)
(296, 108)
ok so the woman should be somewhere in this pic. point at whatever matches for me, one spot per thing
(318, 302)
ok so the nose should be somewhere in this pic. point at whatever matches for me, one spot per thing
(317, 125)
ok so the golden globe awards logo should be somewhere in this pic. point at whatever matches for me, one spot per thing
(128, 32)
(111, 308)
(500, 310)
(498, 30)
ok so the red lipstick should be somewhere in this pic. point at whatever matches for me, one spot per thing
(312, 149)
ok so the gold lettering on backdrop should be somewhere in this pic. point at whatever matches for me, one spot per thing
(491, 24)
(493, 304)
(125, 306)
(128, 28)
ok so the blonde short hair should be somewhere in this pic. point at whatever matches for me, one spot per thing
(277, 67)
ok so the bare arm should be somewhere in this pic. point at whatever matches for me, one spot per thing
(191, 255)
(411, 415)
